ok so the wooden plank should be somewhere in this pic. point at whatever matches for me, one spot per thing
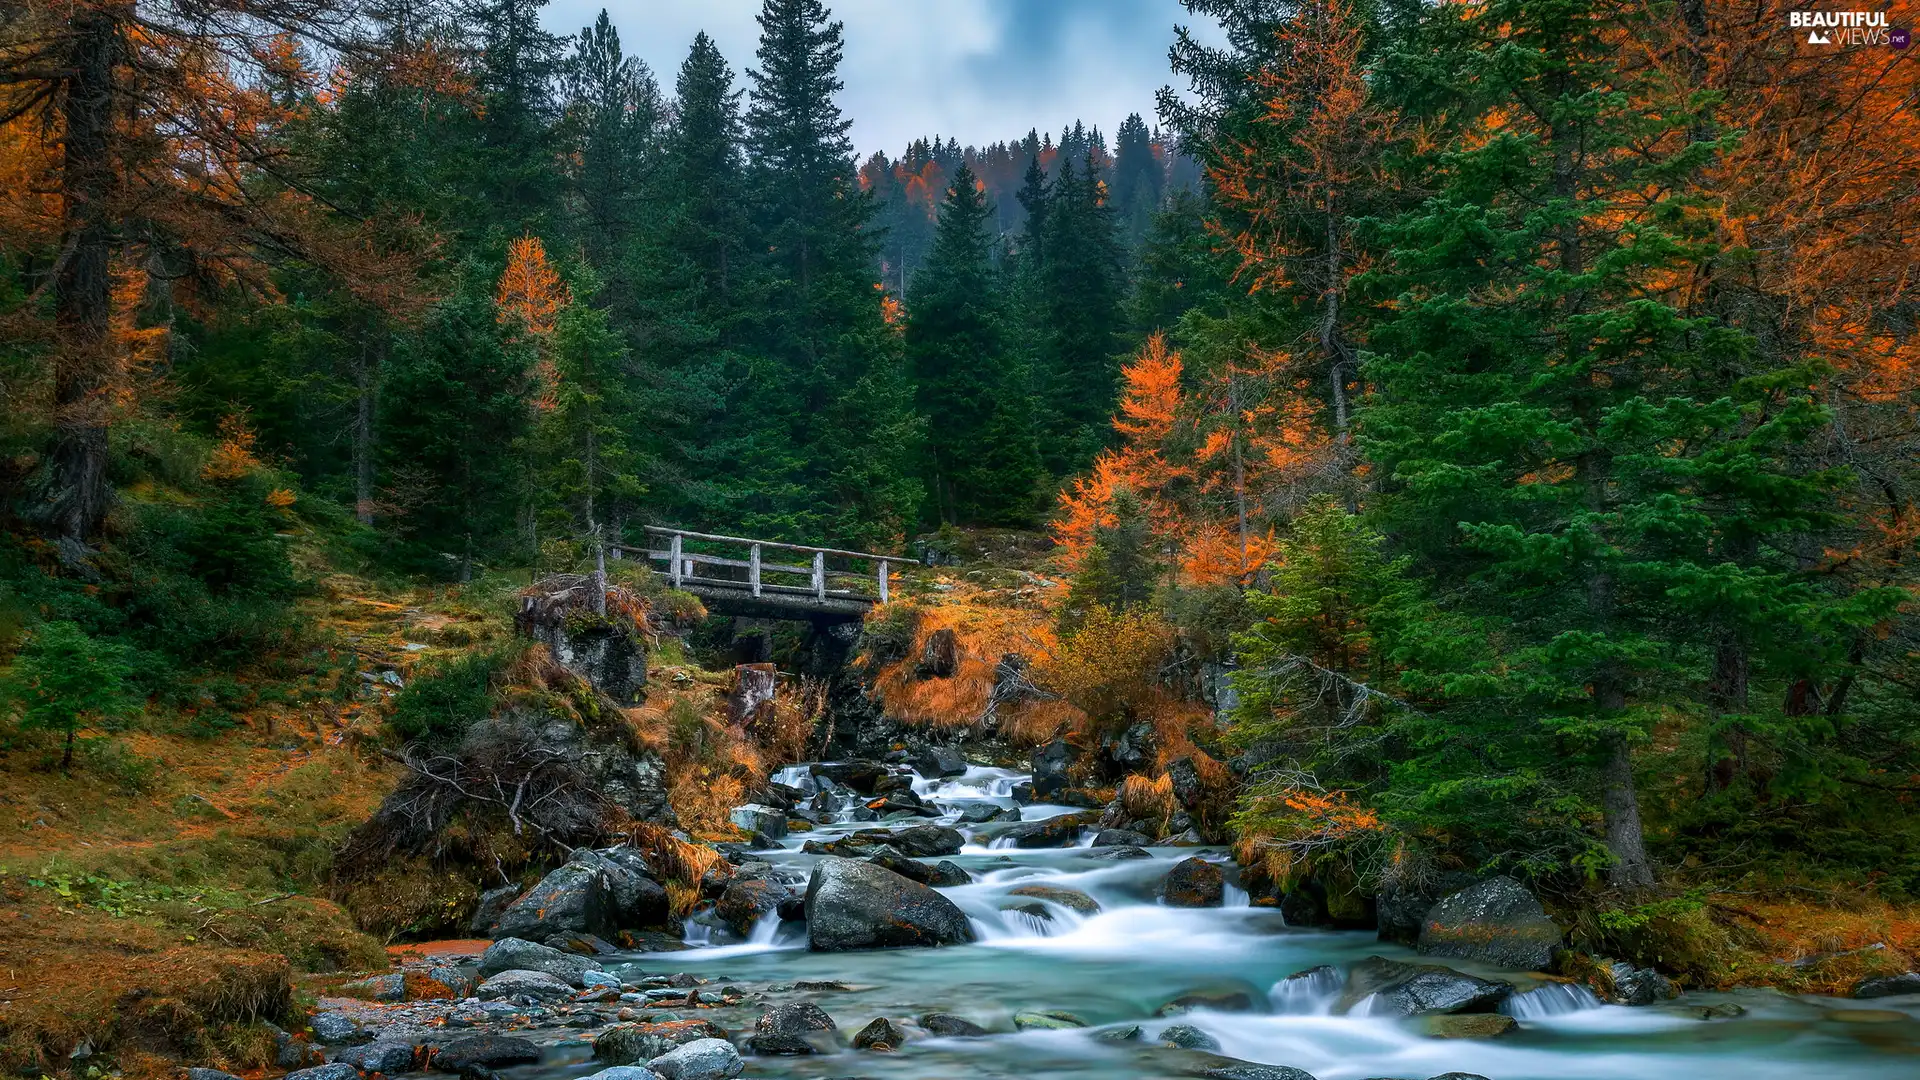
(753, 570)
(673, 562)
(820, 574)
(807, 591)
(883, 581)
(659, 530)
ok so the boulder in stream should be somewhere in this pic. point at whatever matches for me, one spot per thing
(756, 818)
(538, 985)
(1120, 838)
(979, 813)
(701, 1059)
(798, 1027)
(745, 902)
(938, 875)
(1188, 1037)
(1497, 922)
(1907, 982)
(880, 1034)
(518, 954)
(862, 776)
(1398, 989)
(937, 762)
(1194, 883)
(1638, 986)
(1219, 1068)
(485, 1051)
(857, 905)
(624, 1044)
(1120, 854)
(1047, 1020)
(949, 1026)
(1071, 899)
(1050, 764)
(1053, 832)
(1468, 1026)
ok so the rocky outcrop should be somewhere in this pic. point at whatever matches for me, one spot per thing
(936, 762)
(603, 649)
(1639, 986)
(1054, 832)
(795, 1028)
(1497, 922)
(1391, 988)
(764, 820)
(485, 1051)
(596, 892)
(1194, 883)
(949, 1026)
(857, 905)
(938, 875)
(1907, 982)
(880, 1034)
(941, 656)
(1050, 765)
(746, 901)
(533, 985)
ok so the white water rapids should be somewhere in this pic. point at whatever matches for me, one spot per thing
(1117, 967)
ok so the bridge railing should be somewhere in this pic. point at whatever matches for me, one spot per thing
(763, 567)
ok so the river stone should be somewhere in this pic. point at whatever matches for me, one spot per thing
(335, 1028)
(573, 899)
(1047, 1020)
(519, 954)
(1071, 899)
(1194, 883)
(880, 1034)
(798, 1027)
(1639, 986)
(701, 1059)
(1468, 1026)
(862, 776)
(485, 1051)
(459, 983)
(383, 1055)
(338, 1070)
(517, 984)
(1188, 1037)
(1023, 793)
(1229, 1069)
(1050, 764)
(1497, 922)
(1055, 832)
(1210, 1000)
(938, 875)
(1120, 838)
(857, 905)
(1121, 854)
(209, 1074)
(637, 899)
(937, 762)
(949, 1026)
(745, 902)
(1907, 982)
(391, 986)
(1401, 989)
(624, 1072)
(979, 813)
(925, 841)
(625, 1044)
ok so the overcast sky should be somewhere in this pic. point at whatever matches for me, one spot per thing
(975, 70)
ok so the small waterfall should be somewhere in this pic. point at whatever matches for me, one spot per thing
(695, 933)
(1233, 896)
(796, 776)
(1553, 999)
(765, 929)
(1310, 993)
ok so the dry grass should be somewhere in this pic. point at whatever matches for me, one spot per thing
(679, 864)
(1148, 800)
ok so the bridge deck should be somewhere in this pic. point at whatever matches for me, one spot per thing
(734, 575)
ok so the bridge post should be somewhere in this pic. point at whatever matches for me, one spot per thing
(673, 560)
(753, 569)
(820, 576)
(883, 581)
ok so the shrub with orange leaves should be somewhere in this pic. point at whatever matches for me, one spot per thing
(233, 457)
(1290, 829)
(1110, 666)
(530, 292)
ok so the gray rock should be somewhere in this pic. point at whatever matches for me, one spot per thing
(382, 1055)
(459, 983)
(880, 1034)
(756, 818)
(979, 813)
(334, 1028)
(799, 1027)
(1071, 899)
(1497, 922)
(1050, 764)
(1639, 986)
(1062, 831)
(485, 1051)
(492, 903)
(938, 875)
(857, 905)
(1399, 989)
(1907, 982)
(745, 902)
(1226, 1069)
(1023, 793)
(1194, 883)
(624, 1044)
(209, 1074)
(935, 762)
(1120, 838)
(338, 1070)
(391, 986)
(1121, 1034)
(537, 985)
(1185, 837)
(1188, 1037)
(571, 900)
(701, 1059)
(1121, 854)
(624, 1072)
(949, 1026)
(519, 954)
(637, 899)
(1401, 907)
(1047, 1020)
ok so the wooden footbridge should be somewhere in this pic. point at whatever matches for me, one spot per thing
(736, 576)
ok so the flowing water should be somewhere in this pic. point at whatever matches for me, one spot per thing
(1117, 967)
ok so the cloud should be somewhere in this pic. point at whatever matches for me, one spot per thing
(976, 70)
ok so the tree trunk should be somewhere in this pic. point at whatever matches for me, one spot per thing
(1621, 804)
(366, 385)
(85, 362)
(1727, 696)
(1330, 343)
